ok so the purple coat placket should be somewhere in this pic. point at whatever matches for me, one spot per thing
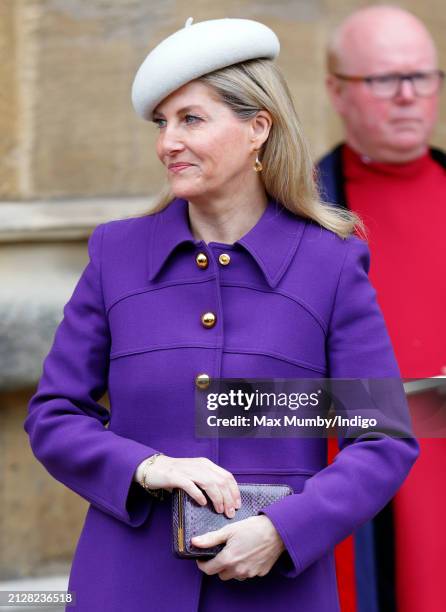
(294, 301)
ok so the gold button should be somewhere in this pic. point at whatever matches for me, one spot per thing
(208, 319)
(224, 259)
(202, 260)
(203, 381)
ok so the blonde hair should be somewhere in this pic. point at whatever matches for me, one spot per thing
(288, 171)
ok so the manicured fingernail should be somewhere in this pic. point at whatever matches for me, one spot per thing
(238, 503)
(231, 512)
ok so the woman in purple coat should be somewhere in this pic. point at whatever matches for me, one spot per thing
(239, 272)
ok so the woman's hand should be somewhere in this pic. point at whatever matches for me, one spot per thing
(252, 547)
(186, 473)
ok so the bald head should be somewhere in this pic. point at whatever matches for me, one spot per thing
(374, 36)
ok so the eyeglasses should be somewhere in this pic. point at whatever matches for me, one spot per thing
(424, 84)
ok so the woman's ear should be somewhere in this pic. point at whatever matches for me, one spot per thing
(260, 127)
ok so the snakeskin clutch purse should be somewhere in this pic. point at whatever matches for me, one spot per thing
(189, 519)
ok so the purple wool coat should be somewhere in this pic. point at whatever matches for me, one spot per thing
(294, 301)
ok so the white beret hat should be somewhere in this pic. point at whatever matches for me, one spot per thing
(196, 50)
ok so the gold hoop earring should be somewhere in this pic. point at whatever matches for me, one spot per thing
(257, 165)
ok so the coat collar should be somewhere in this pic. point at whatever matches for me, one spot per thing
(272, 242)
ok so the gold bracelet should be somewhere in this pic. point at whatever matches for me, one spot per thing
(159, 493)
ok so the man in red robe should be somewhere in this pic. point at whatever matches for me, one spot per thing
(384, 82)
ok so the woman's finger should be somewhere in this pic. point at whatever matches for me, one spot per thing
(228, 498)
(191, 488)
(214, 493)
(211, 538)
(235, 492)
(229, 487)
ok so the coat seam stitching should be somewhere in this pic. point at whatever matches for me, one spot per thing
(167, 284)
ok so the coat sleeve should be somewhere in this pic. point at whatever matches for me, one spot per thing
(67, 426)
(370, 468)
